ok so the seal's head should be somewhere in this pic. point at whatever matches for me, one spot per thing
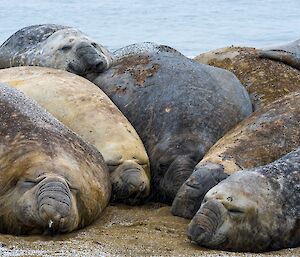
(242, 213)
(69, 49)
(40, 195)
(130, 180)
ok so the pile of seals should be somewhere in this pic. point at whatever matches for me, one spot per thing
(243, 195)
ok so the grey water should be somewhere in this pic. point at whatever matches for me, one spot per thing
(190, 26)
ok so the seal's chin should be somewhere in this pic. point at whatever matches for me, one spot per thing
(130, 183)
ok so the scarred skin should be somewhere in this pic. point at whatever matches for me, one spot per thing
(170, 99)
(84, 108)
(265, 136)
(51, 181)
(55, 46)
(254, 210)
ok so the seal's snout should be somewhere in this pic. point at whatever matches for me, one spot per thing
(205, 223)
(54, 202)
(130, 183)
(92, 58)
(190, 195)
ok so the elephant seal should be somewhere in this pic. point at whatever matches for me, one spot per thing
(255, 210)
(265, 136)
(288, 53)
(179, 108)
(265, 80)
(84, 108)
(51, 181)
(54, 46)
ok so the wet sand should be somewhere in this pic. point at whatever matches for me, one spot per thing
(148, 230)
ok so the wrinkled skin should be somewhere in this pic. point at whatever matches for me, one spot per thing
(54, 46)
(170, 99)
(51, 181)
(84, 108)
(263, 137)
(287, 53)
(255, 210)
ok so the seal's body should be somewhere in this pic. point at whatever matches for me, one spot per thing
(179, 108)
(51, 181)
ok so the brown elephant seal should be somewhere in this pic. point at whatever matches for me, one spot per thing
(265, 80)
(265, 136)
(84, 108)
(51, 181)
(255, 210)
(287, 53)
(179, 107)
(54, 46)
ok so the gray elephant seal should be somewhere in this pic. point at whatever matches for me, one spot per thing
(86, 110)
(54, 46)
(255, 210)
(265, 80)
(51, 181)
(287, 53)
(179, 108)
(263, 137)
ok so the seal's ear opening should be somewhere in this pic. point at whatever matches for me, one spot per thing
(190, 195)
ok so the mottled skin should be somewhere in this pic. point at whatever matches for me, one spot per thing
(51, 181)
(54, 46)
(265, 80)
(84, 108)
(255, 210)
(288, 53)
(170, 99)
(265, 136)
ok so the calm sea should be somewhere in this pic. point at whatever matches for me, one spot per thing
(190, 26)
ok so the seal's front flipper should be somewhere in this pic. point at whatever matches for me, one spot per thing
(191, 193)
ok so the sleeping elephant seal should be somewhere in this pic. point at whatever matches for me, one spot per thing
(51, 181)
(255, 210)
(287, 53)
(265, 136)
(265, 80)
(179, 108)
(85, 109)
(54, 46)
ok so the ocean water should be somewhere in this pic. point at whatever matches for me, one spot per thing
(190, 26)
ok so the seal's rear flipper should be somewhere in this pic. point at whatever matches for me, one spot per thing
(288, 53)
(190, 195)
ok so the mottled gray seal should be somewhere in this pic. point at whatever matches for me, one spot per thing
(255, 210)
(265, 80)
(84, 108)
(288, 53)
(54, 46)
(51, 181)
(265, 136)
(179, 108)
